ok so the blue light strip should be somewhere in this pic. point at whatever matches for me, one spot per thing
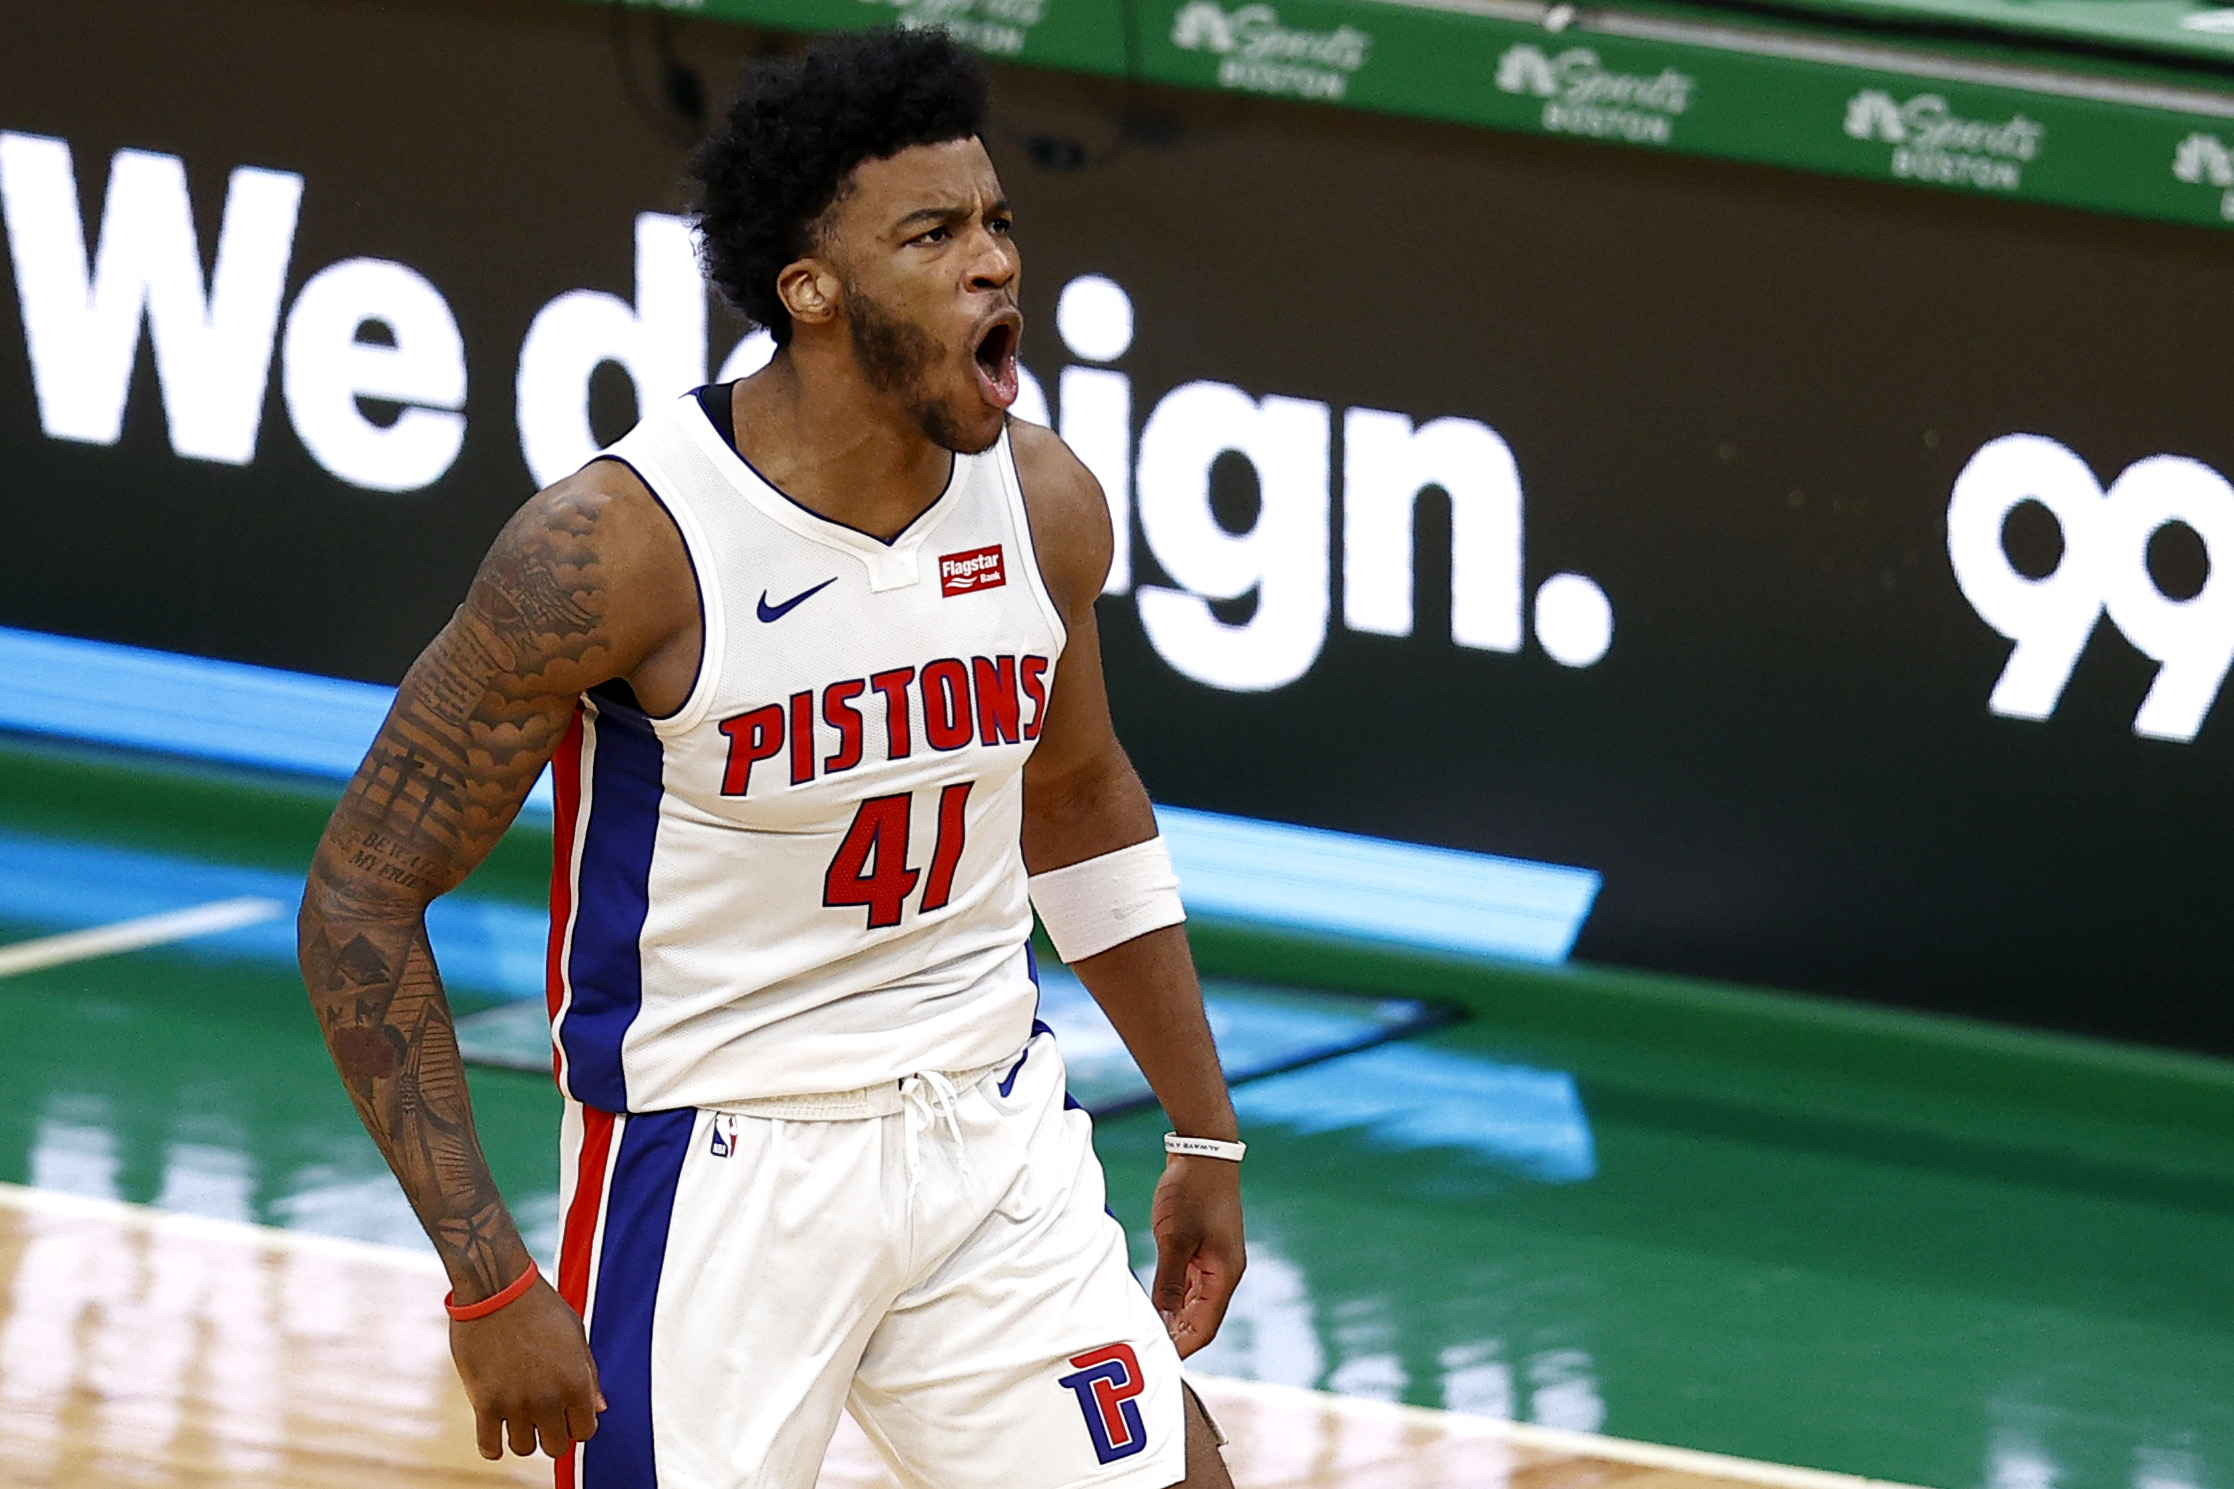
(181, 705)
(1309, 879)
(197, 707)
(1231, 868)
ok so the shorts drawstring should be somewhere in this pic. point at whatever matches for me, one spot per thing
(929, 1098)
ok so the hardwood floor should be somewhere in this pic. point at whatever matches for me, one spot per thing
(140, 1348)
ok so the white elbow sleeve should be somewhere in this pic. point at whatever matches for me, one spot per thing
(1106, 901)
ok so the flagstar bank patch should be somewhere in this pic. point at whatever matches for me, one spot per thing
(967, 573)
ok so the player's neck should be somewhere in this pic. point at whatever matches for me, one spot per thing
(813, 427)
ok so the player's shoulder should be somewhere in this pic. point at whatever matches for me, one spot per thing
(605, 501)
(601, 536)
(1069, 515)
(1052, 475)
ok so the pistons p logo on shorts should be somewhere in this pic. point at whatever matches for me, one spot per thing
(1105, 1382)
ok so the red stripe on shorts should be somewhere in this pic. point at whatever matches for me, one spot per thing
(587, 1212)
(579, 1239)
(566, 788)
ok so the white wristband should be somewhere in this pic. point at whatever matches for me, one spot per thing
(1204, 1147)
(1106, 901)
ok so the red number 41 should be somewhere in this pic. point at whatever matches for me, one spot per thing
(871, 865)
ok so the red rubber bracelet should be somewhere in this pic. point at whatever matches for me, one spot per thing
(468, 1312)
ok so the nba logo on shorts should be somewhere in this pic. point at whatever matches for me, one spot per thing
(1106, 1382)
(725, 1135)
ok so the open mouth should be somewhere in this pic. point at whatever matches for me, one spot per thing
(995, 358)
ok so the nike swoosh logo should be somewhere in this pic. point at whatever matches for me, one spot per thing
(778, 612)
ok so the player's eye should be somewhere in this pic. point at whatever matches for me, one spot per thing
(935, 235)
(1000, 226)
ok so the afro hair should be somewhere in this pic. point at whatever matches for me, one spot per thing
(795, 132)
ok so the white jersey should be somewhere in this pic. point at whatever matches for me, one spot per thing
(808, 878)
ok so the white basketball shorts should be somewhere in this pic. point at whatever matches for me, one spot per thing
(935, 1257)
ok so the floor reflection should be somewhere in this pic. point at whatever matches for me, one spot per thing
(1400, 1096)
(1444, 1221)
(138, 1348)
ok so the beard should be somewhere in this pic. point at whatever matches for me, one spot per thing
(896, 357)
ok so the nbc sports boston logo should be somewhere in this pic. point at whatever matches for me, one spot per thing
(2204, 160)
(1257, 54)
(1934, 144)
(1583, 96)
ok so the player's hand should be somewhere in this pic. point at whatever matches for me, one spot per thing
(1199, 1250)
(528, 1371)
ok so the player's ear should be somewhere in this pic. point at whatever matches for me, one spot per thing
(809, 290)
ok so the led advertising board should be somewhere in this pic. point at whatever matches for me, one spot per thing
(1833, 567)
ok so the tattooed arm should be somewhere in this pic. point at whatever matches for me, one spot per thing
(587, 582)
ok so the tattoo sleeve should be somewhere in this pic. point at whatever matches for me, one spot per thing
(473, 724)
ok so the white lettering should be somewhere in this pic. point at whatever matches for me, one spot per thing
(1386, 463)
(1095, 317)
(81, 319)
(1927, 122)
(2194, 637)
(1282, 77)
(1577, 78)
(2104, 566)
(660, 340)
(1956, 170)
(1257, 53)
(1283, 558)
(1097, 412)
(1254, 31)
(325, 369)
(2049, 618)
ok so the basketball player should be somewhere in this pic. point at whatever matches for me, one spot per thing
(813, 658)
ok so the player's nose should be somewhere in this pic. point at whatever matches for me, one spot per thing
(995, 266)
